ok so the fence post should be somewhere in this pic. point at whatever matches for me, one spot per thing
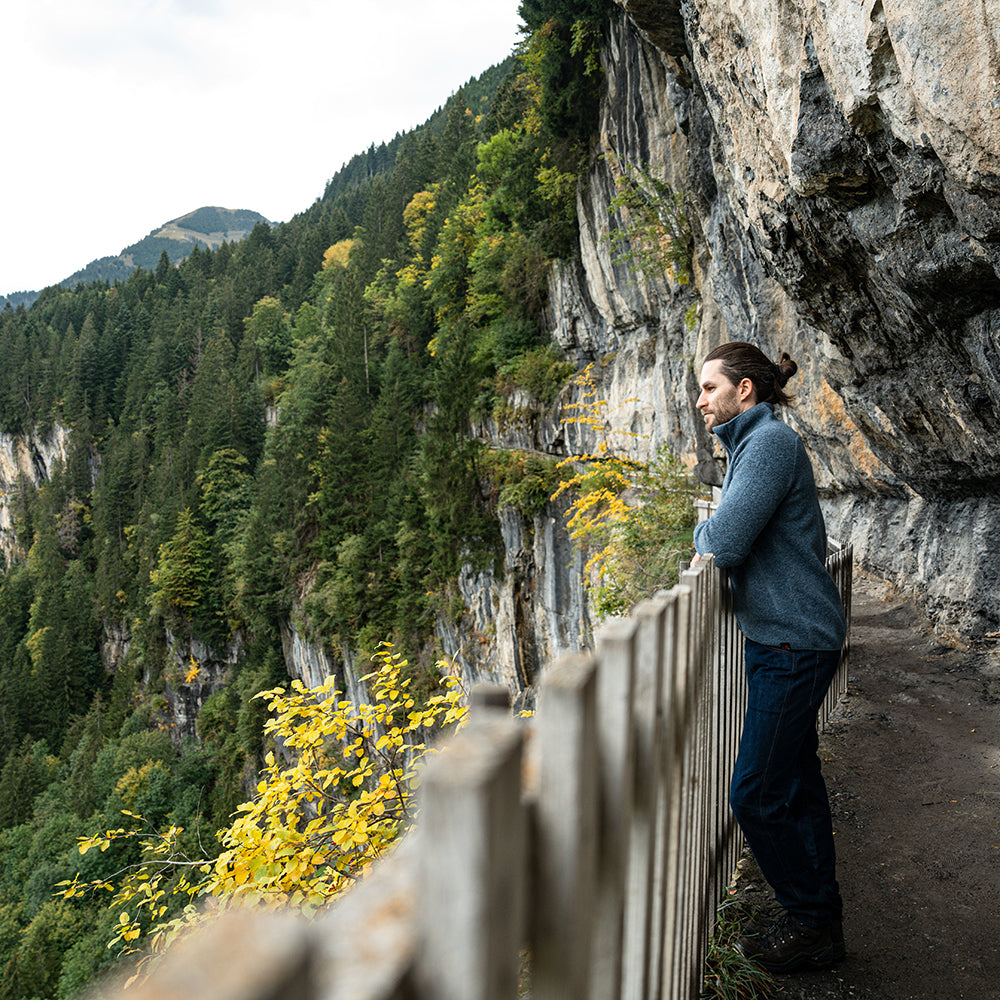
(670, 781)
(485, 698)
(697, 784)
(366, 941)
(616, 765)
(566, 823)
(839, 563)
(646, 702)
(239, 956)
(718, 700)
(472, 866)
(731, 670)
(682, 724)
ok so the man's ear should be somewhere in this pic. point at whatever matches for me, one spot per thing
(745, 389)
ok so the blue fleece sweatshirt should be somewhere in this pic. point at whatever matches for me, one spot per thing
(768, 532)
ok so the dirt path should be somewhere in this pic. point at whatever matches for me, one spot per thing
(912, 762)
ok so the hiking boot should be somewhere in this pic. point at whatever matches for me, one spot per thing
(787, 944)
(837, 939)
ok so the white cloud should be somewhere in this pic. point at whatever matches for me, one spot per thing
(122, 114)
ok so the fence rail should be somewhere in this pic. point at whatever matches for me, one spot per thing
(595, 838)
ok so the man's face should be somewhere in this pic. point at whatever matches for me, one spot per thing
(720, 400)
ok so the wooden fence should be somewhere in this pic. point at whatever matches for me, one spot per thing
(577, 854)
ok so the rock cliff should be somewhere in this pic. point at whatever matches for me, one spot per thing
(839, 162)
(29, 459)
(840, 167)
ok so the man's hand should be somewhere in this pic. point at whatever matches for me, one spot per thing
(697, 557)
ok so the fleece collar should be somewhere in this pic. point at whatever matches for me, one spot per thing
(733, 431)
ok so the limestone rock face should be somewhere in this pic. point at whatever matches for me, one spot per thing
(863, 176)
(840, 161)
(534, 610)
(30, 458)
(839, 166)
(313, 664)
(194, 670)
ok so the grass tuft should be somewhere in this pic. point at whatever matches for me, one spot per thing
(729, 974)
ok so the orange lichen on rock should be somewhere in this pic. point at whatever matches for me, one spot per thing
(832, 416)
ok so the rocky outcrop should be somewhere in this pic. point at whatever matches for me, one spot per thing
(313, 664)
(530, 613)
(840, 168)
(856, 147)
(31, 459)
(194, 670)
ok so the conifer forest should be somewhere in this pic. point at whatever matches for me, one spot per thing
(272, 431)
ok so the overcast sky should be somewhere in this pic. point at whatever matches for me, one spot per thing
(119, 115)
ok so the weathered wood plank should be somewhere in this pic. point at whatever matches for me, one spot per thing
(616, 766)
(690, 886)
(367, 941)
(242, 955)
(648, 731)
(471, 874)
(566, 825)
(665, 858)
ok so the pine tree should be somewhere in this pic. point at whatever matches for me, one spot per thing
(183, 574)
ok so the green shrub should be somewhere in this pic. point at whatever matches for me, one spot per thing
(646, 546)
(729, 974)
(540, 372)
(653, 236)
(524, 481)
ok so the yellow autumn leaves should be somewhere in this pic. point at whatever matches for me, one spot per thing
(336, 790)
(339, 795)
(634, 518)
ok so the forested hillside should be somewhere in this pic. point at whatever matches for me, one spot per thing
(275, 431)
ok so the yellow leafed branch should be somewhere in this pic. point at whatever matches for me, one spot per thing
(337, 796)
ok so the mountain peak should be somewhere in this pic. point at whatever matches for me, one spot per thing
(207, 227)
(211, 225)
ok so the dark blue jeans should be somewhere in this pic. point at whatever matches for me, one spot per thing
(778, 794)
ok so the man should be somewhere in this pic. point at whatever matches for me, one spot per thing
(768, 533)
